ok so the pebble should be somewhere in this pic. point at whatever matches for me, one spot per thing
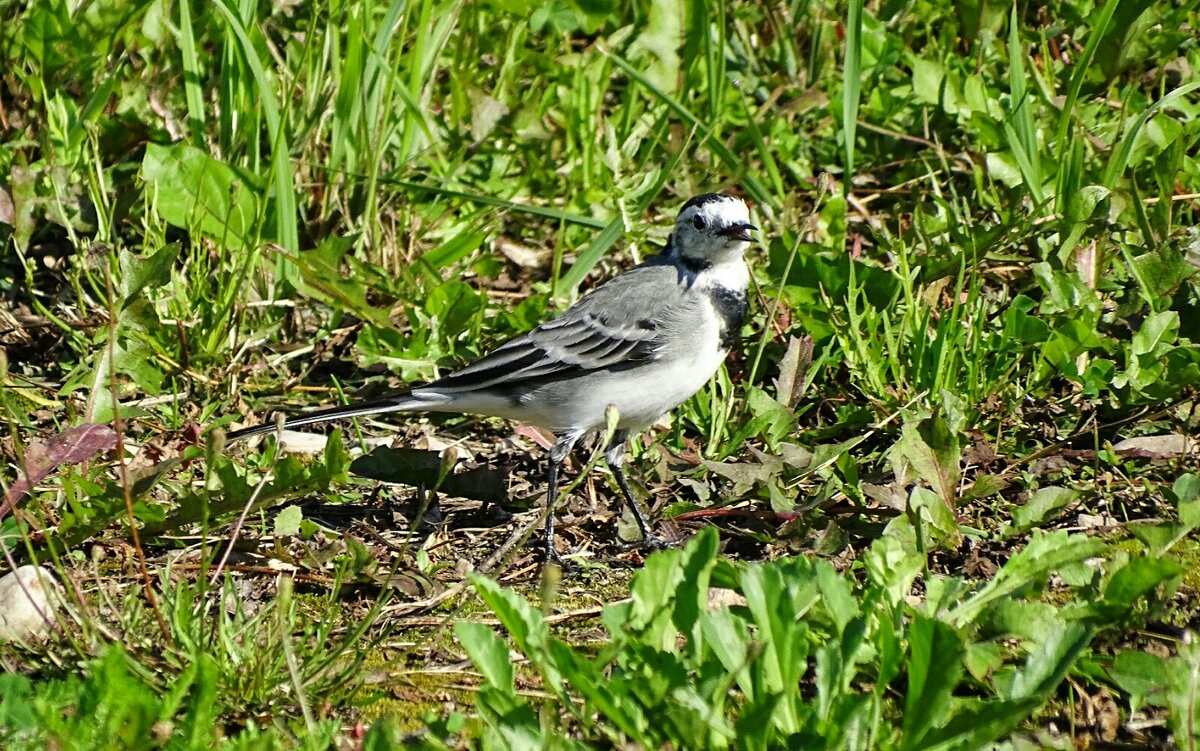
(29, 598)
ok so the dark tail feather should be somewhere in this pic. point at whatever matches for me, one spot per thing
(398, 403)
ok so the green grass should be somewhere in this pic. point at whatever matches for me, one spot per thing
(977, 282)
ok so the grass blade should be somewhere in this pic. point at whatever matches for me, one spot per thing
(191, 73)
(1082, 65)
(286, 230)
(1019, 128)
(851, 84)
(753, 185)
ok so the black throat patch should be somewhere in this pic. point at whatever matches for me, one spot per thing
(694, 265)
(691, 265)
(731, 307)
(671, 254)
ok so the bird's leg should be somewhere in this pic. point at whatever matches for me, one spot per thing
(558, 454)
(615, 457)
(551, 496)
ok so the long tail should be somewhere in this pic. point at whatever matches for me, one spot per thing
(404, 402)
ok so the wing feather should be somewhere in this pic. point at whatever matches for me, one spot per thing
(616, 326)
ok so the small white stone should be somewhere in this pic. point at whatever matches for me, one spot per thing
(1156, 446)
(299, 442)
(29, 597)
(724, 598)
(1092, 521)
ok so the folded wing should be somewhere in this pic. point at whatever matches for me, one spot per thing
(617, 326)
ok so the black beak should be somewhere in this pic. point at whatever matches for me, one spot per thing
(738, 231)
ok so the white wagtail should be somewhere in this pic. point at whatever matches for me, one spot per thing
(642, 342)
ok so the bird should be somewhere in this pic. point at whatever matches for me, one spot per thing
(643, 342)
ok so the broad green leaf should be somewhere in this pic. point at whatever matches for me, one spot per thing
(660, 37)
(139, 274)
(927, 80)
(836, 595)
(753, 729)
(1004, 166)
(131, 356)
(194, 191)
(287, 521)
(728, 637)
(985, 486)
(1066, 292)
(1186, 488)
(887, 638)
(1138, 673)
(981, 658)
(771, 420)
(1043, 555)
(979, 17)
(608, 698)
(827, 454)
(669, 592)
(1160, 537)
(1041, 506)
(488, 652)
(691, 597)
(892, 569)
(1139, 576)
(322, 278)
(828, 672)
(1183, 686)
(982, 722)
(512, 722)
(1099, 376)
(934, 669)
(932, 448)
(1050, 660)
(1156, 332)
(1083, 202)
(649, 618)
(977, 724)
(1126, 36)
(336, 459)
(1161, 271)
(776, 604)
(524, 623)
(942, 527)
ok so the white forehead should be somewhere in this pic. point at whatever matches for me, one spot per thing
(720, 210)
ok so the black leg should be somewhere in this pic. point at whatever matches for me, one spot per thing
(615, 456)
(551, 496)
(558, 454)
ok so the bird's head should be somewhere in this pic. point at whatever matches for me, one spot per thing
(712, 228)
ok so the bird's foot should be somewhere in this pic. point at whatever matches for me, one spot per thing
(564, 563)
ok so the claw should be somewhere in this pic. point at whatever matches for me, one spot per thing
(552, 556)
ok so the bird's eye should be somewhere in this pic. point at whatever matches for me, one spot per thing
(699, 222)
